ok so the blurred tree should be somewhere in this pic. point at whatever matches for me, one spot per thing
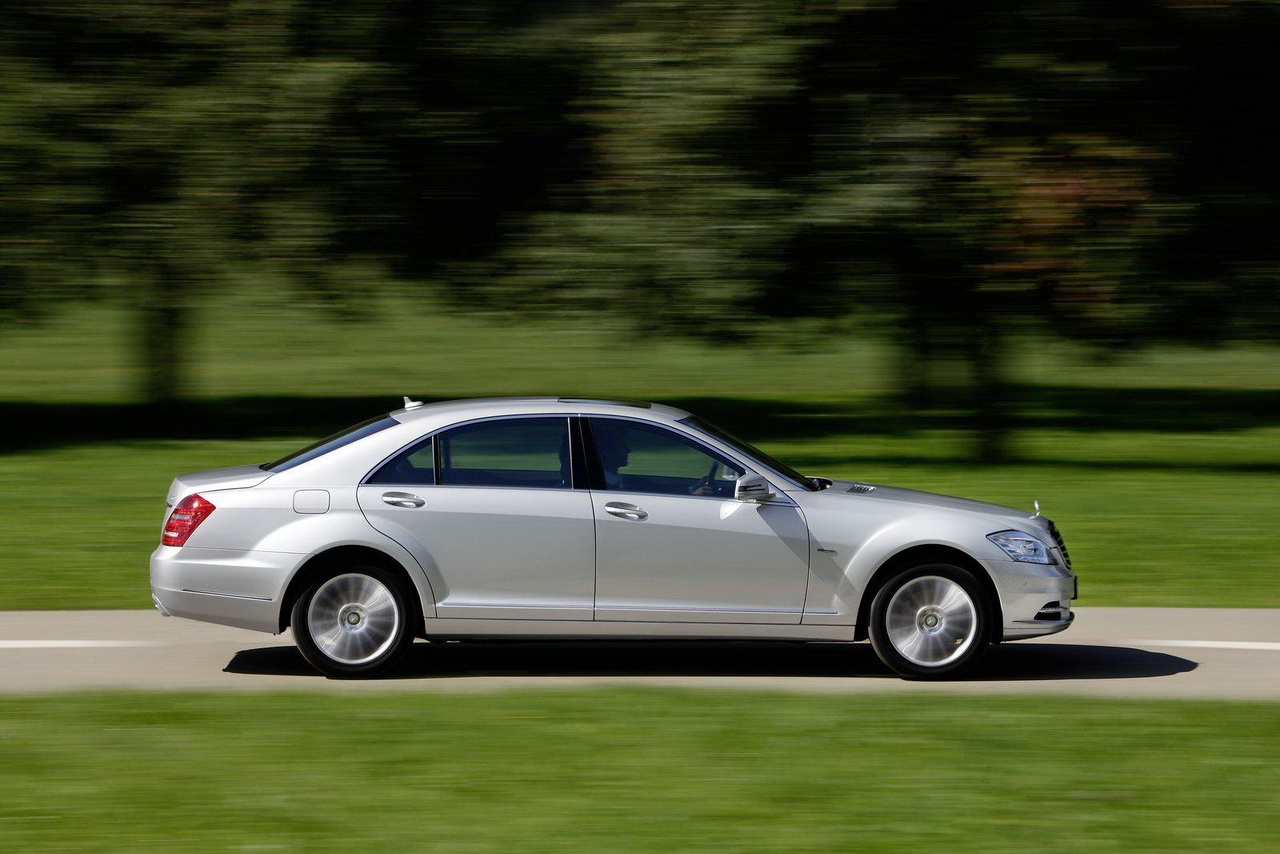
(957, 170)
(141, 117)
(43, 189)
(167, 149)
(946, 171)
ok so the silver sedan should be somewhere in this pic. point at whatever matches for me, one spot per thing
(572, 518)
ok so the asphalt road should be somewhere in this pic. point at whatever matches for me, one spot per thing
(1117, 652)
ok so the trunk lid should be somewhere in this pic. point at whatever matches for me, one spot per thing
(235, 477)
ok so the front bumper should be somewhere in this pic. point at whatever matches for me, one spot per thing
(1034, 605)
(226, 586)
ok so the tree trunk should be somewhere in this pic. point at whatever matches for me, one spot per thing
(990, 404)
(163, 323)
(915, 354)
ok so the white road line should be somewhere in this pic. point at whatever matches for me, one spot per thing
(69, 644)
(1208, 644)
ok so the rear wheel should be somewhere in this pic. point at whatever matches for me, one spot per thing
(931, 621)
(354, 621)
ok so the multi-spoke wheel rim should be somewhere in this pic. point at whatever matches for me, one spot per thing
(353, 618)
(931, 621)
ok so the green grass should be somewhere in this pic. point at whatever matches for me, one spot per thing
(1163, 469)
(244, 345)
(636, 770)
(79, 523)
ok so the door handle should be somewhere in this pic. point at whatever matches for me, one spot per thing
(625, 511)
(402, 499)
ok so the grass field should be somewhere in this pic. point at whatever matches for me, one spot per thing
(1163, 470)
(636, 770)
(265, 346)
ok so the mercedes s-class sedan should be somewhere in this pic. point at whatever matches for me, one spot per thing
(573, 518)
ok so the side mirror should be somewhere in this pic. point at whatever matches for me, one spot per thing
(752, 487)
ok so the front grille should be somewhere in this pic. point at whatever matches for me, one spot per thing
(1062, 547)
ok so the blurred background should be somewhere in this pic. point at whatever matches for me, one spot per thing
(1013, 250)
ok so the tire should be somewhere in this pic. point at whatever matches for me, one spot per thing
(931, 621)
(354, 621)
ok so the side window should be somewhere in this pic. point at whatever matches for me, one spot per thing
(516, 452)
(637, 457)
(416, 465)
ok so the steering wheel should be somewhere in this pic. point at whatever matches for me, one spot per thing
(707, 486)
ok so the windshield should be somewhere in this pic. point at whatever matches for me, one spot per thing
(751, 451)
(329, 443)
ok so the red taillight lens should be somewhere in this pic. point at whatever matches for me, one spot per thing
(185, 518)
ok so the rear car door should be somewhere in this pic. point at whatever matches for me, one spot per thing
(490, 507)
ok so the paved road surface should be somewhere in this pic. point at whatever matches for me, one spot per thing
(1132, 652)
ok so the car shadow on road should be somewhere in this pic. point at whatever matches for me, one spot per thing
(1014, 662)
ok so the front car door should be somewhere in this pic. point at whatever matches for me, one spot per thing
(491, 507)
(674, 545)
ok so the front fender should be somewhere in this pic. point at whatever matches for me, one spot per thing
(851, 548)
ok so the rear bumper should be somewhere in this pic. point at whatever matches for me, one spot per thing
(230, 587)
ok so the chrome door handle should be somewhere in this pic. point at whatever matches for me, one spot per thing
(625, 511)
(402, 499)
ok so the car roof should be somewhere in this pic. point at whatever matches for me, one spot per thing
(490, 406)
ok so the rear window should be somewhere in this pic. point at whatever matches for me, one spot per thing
(344, 437)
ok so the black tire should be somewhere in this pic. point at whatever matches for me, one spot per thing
(931, 621)
(362, 622)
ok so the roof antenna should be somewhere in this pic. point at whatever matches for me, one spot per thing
(411, 404)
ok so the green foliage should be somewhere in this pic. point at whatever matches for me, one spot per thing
(166, 150)
(938, 172)
(930, 159)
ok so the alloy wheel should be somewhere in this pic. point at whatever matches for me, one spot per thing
(931, 621)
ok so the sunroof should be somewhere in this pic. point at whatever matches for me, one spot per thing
(638, 404)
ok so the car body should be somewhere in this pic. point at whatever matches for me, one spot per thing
(573, 518)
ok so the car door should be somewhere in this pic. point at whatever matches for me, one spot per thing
(490, 509)
(674, 545)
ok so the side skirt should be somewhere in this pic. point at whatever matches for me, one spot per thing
(448, 627)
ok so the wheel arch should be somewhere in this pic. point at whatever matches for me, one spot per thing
(319, 563)
(928, 553)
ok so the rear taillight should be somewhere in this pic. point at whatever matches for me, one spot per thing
(185, 518)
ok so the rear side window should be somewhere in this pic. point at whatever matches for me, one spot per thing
(530, 452)
(345, 437)
(413, 465)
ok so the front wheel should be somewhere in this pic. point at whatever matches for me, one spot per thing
(931, 621)
(353, 622)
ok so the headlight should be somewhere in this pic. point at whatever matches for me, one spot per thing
(1022, 547)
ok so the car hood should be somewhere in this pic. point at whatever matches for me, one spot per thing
(857, 490)
(235, 477)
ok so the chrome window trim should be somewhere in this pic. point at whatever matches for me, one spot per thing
(435, 452)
